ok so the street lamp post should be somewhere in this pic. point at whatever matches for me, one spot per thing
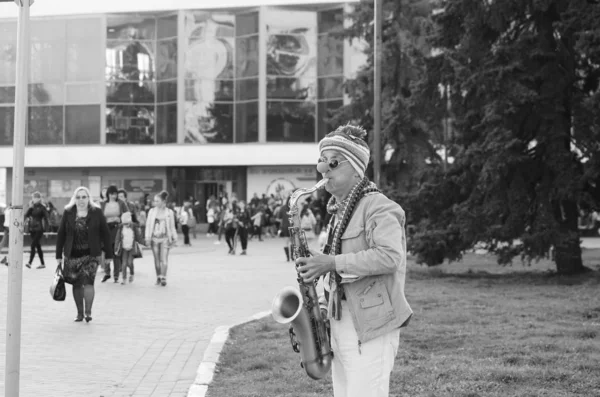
(15, 248)
(378, 54)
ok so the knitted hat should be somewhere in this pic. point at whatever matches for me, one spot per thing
(349, 140)
(126, 218)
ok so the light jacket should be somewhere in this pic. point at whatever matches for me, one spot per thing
(374, 249)
(171, 231)
(137, 237)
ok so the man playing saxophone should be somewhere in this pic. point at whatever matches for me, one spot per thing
(364, 264)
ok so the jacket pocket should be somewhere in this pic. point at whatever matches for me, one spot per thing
(374, 306)
(354, 240)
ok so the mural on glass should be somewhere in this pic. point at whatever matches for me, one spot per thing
(209, 73)
(291, 75)
(130, 79)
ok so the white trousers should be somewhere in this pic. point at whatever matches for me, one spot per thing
(364, 373)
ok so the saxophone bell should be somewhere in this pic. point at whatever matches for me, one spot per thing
(286, 305)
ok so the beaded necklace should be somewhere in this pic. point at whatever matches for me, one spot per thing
(358, 191)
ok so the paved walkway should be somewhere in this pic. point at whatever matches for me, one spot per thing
(144, 340)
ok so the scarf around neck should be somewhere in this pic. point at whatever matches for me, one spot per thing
(343, 212)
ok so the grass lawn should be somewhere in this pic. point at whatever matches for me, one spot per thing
(478, 330)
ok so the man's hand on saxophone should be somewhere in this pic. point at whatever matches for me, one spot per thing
(315, 266)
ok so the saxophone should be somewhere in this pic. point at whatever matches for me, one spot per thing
(300, 308)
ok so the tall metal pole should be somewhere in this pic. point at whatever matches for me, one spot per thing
(15, 269)
(378, 54)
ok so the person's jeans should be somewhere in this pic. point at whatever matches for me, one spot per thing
(230, 238)
(36, 237)
(243, 233)
(186, 234)
(113, 227)
(127, 262)
(160, 251)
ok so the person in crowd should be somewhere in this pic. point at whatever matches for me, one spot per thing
(257, 221)
(113, 209)
(244, 222)
(191, 222)
(308, 224)
(126, 245)
(38, 219)
(364, 267)
(161, 235)
(184, 218)
(81, 238)
(221, 222)
(5, 236)
(122, 195)
(211, 218)
(284, 224)
(230, 227)
(53, 217)
(142, 221)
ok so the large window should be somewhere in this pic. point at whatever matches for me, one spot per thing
(246, 75)
(291, 75)
(141, 79)
(65, 70)
(209, 77)
(330, 91)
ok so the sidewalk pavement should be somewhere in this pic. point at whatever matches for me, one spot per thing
(144, 340)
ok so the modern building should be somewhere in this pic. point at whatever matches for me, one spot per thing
(229, 98)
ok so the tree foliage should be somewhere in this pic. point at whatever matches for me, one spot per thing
(405, 29)
(523, 79)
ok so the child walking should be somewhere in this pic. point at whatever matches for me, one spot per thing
(127, 245)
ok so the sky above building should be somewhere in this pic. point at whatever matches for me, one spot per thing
(66, 7)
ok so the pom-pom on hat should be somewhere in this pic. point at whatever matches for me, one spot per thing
(126, 218)
(349, 140)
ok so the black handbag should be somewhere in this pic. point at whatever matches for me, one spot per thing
(137, 250)
(58, 292)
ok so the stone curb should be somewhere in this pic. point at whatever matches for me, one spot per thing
(205, 372)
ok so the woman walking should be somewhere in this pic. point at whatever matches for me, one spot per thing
(82, 237)
(244, 222)
(161, 235)
(38, 218)
(230, 227)
(113, 208)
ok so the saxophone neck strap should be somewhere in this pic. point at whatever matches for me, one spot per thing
(330, 235)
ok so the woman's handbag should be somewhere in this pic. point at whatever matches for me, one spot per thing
(137, 250)
(58, 292)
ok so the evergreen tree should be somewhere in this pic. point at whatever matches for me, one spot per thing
(406, 26)
(524, 80)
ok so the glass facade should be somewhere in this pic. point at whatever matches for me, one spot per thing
(187, 77)
(65, 79)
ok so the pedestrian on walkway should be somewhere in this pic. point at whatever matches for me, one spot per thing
(184, 218)
(244, 222)
(126, 245)
(230, 227)
(113, 208)
(6, 226)
(38, 218)
(82, 237)
(161, 235)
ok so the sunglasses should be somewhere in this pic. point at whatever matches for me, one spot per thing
(333, 164)
(81, 197)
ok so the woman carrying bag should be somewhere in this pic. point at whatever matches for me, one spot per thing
(82, 237)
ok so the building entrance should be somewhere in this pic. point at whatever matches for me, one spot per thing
(203, 190)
